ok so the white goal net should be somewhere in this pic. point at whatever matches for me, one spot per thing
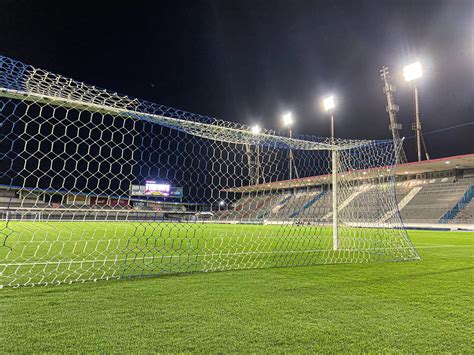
(96, 185)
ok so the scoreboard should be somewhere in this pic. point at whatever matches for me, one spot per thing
(158, 189)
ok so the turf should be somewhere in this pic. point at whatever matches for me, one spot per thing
(423, 306)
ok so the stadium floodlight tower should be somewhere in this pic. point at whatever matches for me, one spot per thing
(389, 89)
(288, 122)
(329, 104)
(413, 72)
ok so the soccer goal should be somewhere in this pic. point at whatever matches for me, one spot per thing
(97, 185)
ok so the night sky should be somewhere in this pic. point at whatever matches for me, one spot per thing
(250, 60)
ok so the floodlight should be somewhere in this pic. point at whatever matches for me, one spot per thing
(288, 119)
(412, 71)
(329, 103)
(255, 129)
(222, 203)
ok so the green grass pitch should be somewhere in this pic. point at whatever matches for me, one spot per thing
(424, 306)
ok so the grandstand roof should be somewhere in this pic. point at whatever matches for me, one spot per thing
(465, 161)
(441, 164)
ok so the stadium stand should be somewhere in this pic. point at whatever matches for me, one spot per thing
(436, 197)
(463, 210)
(295, 204)
(466, 215)
(427, 194)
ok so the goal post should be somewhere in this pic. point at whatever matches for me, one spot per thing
(96, 185)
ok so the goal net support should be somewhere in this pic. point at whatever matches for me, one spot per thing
(96, 185)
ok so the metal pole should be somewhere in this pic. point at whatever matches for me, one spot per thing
(290, 155)
(251, 163)
(424, 147)
(418, 124)
(332, 129)
(335, 235)
(257, 162)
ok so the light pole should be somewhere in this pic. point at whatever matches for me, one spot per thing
(288, 122)
(412, 72)
(255, 166)
(329, 105)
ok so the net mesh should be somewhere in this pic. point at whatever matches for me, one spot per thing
(97, 185)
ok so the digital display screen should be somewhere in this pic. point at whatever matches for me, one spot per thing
(157, 188)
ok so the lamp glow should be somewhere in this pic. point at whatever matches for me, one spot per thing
(329, 103)
(255, 129)
(288, 119)
(413, 71)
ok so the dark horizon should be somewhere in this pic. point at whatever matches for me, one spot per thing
(250, 61)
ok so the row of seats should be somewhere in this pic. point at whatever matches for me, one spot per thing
(434, 200)
(466, 215)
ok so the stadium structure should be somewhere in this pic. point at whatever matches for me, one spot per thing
(433, 194)
(97, 185)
